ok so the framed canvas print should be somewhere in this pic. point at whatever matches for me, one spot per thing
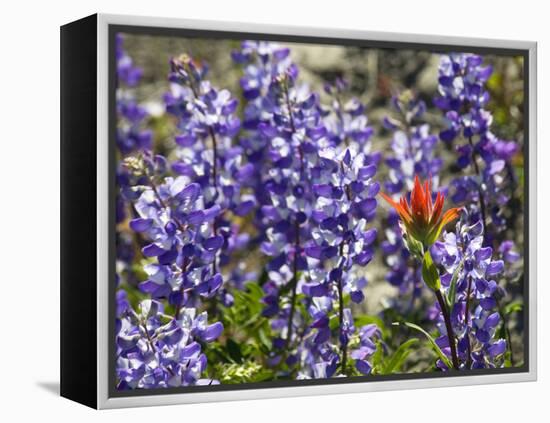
(255, 211)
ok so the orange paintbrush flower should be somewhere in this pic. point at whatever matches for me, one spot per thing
(423, 219)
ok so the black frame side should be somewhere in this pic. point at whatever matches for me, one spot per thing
(78, 211)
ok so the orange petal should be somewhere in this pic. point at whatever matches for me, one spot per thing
(429, 195)
(438, 208)
(427, 200)
(417, 198)
(402, 209)
(406, 209)
(450, 215)
(389, 200)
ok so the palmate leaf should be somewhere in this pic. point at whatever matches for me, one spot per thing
(399, 356)
(435, 347)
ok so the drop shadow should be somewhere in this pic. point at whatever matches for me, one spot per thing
(51, 387)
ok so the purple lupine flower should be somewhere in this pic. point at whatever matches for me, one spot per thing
(131, 136)
(127, 72)
(206, 155)
(263, 65)
(463, 97)
(475, 317)
(287, 212)
(155, 350)
(491, 182)
(346, 122)
(462, 79)
(345, 203)
(321, 198)
(207, 125)
(318, 357)
(341, 242)
(172, 216)
(368, 334)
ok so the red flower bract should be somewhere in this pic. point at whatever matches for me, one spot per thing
(423, 219)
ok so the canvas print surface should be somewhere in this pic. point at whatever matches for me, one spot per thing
(299, 211)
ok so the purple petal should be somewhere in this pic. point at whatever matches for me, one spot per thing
(190, 351)
(152, 250)
(492, 321)
(141, 225)
(495, 268)
(497, 348)
(212, 332)
(363, 366)
(214, 243)
(185, 140)
(366, 172)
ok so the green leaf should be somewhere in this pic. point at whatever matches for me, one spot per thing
(264, 339)
(430, 273)
(377, 359)
(399, 356)
(246, 372)
(255, 290)
(435, 347)
(513, 308)
(333, 322)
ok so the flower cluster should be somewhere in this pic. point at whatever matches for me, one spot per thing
(341, 244)
(469, 281)
(264, 65)
(180, 249)
(173, 217)
(131, 136)
(315, 201)
(248, 239)
(463, 97)
(206, 154)
(485, 194)
(346, 122)
(207, 125)
(155, 350)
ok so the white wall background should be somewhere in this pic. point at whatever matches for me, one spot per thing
(29, 208)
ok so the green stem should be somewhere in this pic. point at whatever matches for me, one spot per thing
(449, 327)
(506, 332)
(467, 321)
(294, 284)
(341, 323)
(479, 190)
